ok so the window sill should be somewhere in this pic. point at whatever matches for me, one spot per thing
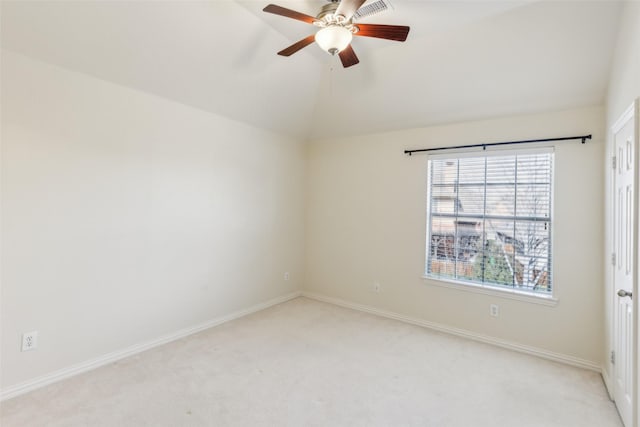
(514, 294)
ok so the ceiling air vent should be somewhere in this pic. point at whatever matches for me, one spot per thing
(372, 9)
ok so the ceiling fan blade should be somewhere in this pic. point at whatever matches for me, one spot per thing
(347, 8)
(389, 32)
(297, 46)
(282, 11)
(348, 57)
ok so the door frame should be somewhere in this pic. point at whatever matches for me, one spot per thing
(632, 112)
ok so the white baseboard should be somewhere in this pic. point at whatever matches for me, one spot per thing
(545, 354)
(71, 371)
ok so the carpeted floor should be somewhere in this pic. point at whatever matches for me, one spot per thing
(306, 363)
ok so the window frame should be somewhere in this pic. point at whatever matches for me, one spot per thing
(550, 298)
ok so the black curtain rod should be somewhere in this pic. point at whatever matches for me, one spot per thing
(491, 144)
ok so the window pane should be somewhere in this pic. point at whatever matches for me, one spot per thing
(454, 246)
(443, 200)
(534, 254)
(534, 168)
(468, 243)
(501, 170)
(472, 170)
(442, 236)
(495, 265)
(443, 171)
(534, 200)
(500, 200)
(471, 199)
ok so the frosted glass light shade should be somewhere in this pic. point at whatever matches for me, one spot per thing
(333, 39)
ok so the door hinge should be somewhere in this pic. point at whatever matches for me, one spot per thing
(613, 357)
(614, 162)
(613, 259)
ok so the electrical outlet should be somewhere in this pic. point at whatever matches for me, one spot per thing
(494, 310)
(30, 341)
(375, 287)
(286, 275)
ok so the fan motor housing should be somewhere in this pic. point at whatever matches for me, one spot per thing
(328, 9)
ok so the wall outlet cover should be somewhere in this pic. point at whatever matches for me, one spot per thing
(29, 341)
(494, 310)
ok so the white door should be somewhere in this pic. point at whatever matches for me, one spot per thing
(625, 265)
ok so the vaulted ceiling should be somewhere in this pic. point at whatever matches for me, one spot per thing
(463, 60)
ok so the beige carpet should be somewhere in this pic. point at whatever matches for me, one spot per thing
(306, 363)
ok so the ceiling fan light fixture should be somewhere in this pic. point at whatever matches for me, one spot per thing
(337, 28)
(334, 38)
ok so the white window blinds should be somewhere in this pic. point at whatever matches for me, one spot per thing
(489, 219)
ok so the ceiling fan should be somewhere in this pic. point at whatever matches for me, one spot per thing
(337, 29)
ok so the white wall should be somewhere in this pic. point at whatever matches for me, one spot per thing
(366, 222)
(624, 83)
(624, 88)
(126, 216)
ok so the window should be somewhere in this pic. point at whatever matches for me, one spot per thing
(489, 220)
